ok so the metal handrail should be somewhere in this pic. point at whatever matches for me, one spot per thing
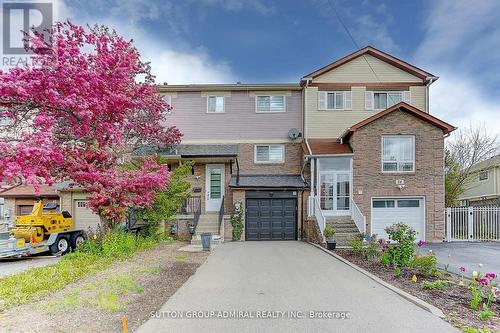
(221, 213)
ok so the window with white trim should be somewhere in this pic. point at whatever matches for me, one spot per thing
(168, 99)
(270, 103)
(4, 120)
(215, 104)
(483, 175)
(334, 100)
(398, 153)
(269, 153)
(381, 100)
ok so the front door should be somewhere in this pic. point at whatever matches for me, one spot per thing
(214, 187)
(334, 190)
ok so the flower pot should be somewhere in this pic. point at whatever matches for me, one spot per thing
(206, 239)
(191, 228)
(331, 244)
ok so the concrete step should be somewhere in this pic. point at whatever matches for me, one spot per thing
(338, 219)
(196, 240)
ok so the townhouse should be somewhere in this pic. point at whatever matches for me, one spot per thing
(352, 145)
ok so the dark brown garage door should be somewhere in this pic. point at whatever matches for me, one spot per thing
(271, 218)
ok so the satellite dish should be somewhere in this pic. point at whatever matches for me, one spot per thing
(294, 133)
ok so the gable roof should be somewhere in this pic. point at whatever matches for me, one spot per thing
(29, 191)
(493, 161)
(402, 106)
(403, 65)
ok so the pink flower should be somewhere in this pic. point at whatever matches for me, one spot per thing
(483, 281)
(420, 243)
(430, 251)
(462, 269)
(490, 275)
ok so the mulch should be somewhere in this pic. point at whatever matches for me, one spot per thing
(453, 300)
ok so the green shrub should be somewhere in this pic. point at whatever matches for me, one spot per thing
(425, 265)
(356, 245)
(385, 259)
(438, 284)
(237, 222)
(372, 247)
(329, 232)
(401, 253)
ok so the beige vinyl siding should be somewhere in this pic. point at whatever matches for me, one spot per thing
(482, 188)
(357, 70)
(418, 97)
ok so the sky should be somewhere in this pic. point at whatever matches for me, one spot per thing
(258, 41)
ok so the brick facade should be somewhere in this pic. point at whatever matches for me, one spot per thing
(427, 181)
(291, 166)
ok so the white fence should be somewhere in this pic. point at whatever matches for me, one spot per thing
(473, 224)
(358, 217)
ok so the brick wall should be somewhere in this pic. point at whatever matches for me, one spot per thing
(292, 164)
(427, 181)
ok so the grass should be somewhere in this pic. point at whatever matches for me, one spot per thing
(94, 255)
(438, 284)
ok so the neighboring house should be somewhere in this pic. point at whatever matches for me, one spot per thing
(376, 154)
(372, 154)
(483, 188)
(19, 200)
(245, 141)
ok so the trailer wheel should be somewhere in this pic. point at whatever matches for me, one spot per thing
(60, 245)
(76, 240)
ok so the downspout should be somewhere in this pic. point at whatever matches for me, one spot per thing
(429, 81)
(237, 172)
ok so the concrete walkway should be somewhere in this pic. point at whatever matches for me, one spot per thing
(292, 277)
(467, 254)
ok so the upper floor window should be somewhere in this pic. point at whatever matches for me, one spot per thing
(334, 100)
(269, 153)
(168, 99)
(4, 121)
(381, 100)
(215, 104)
(483, 175)
(270, 103)
(398, 153)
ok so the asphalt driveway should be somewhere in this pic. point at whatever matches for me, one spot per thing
(294, 278)
(483, 257)
(14, 266)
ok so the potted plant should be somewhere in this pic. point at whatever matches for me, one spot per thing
(329, 233)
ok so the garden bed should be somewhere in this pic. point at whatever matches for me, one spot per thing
(453, 300)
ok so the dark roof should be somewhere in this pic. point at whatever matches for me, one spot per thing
(402, 106)
(202, 151)
(403, 65)
(267, 181)
(328, 147)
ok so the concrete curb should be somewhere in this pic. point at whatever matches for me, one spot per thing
(415, 300)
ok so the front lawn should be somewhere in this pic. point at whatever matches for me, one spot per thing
(472, 305)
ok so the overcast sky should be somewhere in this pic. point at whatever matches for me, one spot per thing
(213, 41)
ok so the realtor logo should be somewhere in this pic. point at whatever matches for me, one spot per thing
(19, 17)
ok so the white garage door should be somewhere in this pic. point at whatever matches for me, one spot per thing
(388, 211)
(83, 217)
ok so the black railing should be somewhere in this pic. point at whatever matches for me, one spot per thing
(191, 205)
(221, 213)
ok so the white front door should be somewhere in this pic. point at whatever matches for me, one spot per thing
(214, 187)
(334, 191)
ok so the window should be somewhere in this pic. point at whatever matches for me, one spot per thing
(398, 153)
(168, 99)
(483, 175)
(273, 103)
(81, 204)
(383, 203)
(381, 100)
(334, 100)
(269, 154)
(215, 104)
(408, 203)
(4, 120)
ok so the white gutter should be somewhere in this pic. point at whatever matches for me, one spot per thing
(430, 80)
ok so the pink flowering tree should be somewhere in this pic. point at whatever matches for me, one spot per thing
(85, 104)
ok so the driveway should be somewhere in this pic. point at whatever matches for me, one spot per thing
(13, 266)
(468, 255)
(292, 277)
